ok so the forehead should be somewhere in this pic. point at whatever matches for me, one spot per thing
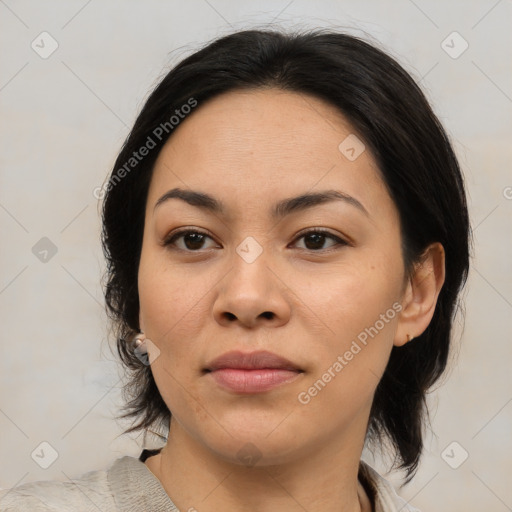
(250, 147)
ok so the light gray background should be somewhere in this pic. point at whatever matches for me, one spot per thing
(65, 117)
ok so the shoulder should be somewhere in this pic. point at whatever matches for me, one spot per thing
(383, 493)
(128, 485)
(89, 492)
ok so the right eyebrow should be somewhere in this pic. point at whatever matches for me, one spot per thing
(199, 199)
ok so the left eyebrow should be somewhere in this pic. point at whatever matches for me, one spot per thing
(304, 201)
(280, 210)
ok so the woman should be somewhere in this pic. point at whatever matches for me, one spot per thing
(287, 235)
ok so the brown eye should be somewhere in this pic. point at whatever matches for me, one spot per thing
(187, 240)
(314, 240)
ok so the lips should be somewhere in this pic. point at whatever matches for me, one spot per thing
(254, 372)
(251, 361)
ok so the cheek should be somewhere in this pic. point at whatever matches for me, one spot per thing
(359, 306)
(352, 356)
(171, 306)
(172, 301)
(352, 295)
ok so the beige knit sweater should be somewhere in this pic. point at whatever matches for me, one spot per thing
(128, 485)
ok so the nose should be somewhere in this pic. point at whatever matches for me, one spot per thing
(252, 294)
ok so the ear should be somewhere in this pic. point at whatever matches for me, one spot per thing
(420, 295)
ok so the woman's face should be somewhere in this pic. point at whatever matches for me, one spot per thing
(253, 277)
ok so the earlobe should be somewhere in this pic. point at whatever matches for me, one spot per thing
(421, 294)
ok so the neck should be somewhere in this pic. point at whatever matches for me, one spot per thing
(198, 479)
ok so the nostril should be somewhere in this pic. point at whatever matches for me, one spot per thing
(268, 314)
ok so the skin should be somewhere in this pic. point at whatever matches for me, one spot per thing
(301, 298)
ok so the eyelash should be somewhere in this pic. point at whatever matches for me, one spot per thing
(171, 239)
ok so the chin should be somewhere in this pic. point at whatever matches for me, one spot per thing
(255, 446)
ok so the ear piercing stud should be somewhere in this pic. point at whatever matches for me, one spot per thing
(140, 344)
